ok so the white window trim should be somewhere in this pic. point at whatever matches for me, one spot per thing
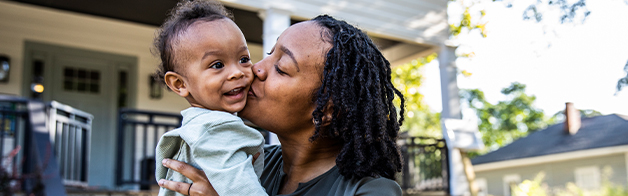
(593, 180)
(482, 186)
(626, 155)
(558, 157)
(516, 178)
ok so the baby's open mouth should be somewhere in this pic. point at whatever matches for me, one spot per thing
(235, 91)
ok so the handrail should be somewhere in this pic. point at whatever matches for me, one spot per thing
(138, 134)
(70, 132)
(32, 163)
(425, 165)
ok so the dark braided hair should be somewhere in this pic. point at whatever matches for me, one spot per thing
(356, 85)
(179, 19)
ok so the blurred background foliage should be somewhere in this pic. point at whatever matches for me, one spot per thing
(512, 118)
(473, 13)
(509, 119)
(538, 187)
(623, 82)
(419, 119)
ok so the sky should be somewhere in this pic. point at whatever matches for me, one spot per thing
(582, 64)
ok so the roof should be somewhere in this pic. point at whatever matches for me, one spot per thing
(595, 132)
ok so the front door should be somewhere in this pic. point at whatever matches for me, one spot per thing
(90, 81)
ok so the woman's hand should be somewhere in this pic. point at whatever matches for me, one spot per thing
(200, 184)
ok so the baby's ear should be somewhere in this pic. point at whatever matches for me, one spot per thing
(176, 83)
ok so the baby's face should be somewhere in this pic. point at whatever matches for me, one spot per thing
(216, 65)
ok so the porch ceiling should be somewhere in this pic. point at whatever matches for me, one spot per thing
(391, 29)
(148, 12)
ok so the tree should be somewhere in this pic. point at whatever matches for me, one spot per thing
(419, 120)
(508, 120)
(623, 82)
(586, 113)
(472, 18)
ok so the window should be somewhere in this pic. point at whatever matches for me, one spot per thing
(588, 177)
(509, 181)
(81, 80)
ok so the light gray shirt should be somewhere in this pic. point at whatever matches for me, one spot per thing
(219, 144)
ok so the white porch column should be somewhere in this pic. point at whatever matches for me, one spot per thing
(451, 109)
(275, 22)
(448, 82)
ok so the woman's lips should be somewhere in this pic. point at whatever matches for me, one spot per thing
(251, 92)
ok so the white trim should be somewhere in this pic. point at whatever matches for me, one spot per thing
(507, 180)
(482, 185)
(419, 22)
(626, 156)
(553, 158)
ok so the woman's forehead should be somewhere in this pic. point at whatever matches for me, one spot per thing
(305, 38)
(303, 32)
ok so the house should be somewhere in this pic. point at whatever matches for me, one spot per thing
(95, 55)
(584, 151)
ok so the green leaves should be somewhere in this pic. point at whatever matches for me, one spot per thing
(508, 120)
(419, 120)
(623, 82)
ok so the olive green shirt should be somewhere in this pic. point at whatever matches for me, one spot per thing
(331, 183)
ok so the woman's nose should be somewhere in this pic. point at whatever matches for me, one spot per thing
(260, 70)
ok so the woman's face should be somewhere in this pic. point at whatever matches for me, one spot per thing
(280, 97)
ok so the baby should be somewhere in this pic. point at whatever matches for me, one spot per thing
(205, 59)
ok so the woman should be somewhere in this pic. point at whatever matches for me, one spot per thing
(325, 90)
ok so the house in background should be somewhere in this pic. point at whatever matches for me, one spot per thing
(95, 55)
(587, 152)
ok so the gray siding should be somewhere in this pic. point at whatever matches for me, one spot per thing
(558, 174)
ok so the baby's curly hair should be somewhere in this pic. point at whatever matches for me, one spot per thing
(356, 86)
(179, 19)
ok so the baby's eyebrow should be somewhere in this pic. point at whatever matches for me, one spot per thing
(243, 48)
(289, 53)
(209, 53)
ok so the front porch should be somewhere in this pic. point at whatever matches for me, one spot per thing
(46, 149)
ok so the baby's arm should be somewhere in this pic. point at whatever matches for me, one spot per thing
(225, 152)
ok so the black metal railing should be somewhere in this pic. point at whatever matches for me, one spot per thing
(13, 126)
(425, 165)
(29, 163)
(138, 134)
(70, 131)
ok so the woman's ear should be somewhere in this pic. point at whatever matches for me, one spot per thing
(176, 83)
(327, 114)
(326, 119)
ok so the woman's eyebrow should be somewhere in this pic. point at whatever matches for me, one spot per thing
(285, 50)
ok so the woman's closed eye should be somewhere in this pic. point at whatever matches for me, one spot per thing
(217, 65)
(279, 70)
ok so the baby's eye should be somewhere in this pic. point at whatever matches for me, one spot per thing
(217, 65)
(245, 60)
